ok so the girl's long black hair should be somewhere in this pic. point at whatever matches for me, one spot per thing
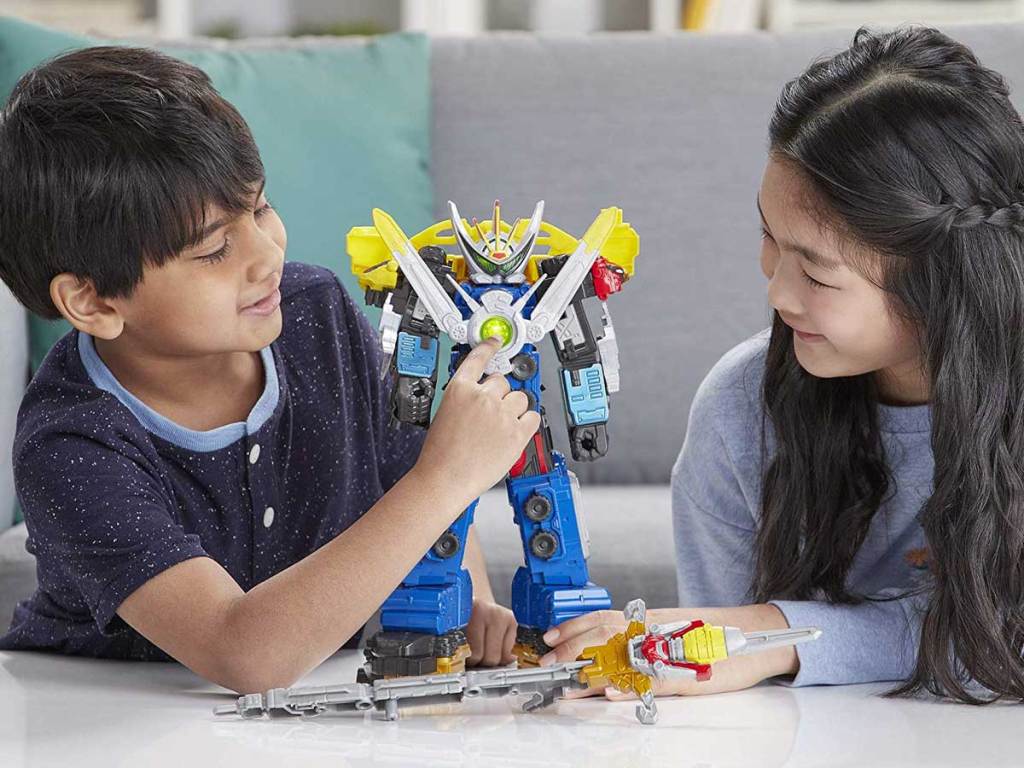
(918, 155)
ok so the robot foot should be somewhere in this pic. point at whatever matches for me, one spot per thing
(530, 646)
(391, 653)
(647, 710)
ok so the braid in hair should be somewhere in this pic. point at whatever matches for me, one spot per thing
(951, 216)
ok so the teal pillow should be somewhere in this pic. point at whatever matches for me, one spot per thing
(342, 125)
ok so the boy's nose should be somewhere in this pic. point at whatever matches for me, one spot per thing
(269, 279)
(267, 259)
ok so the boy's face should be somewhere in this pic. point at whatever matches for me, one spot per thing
(220, 295)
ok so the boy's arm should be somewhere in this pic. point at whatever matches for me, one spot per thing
(279, 630)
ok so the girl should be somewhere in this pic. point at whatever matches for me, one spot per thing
(860, 468)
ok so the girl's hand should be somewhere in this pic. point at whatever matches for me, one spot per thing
(732, 674)
(491, 633)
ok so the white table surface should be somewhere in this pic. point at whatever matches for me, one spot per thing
(83, 712)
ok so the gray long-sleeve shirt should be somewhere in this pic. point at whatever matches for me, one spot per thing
(716, 500)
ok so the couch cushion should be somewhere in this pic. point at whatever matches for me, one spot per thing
(342, 125)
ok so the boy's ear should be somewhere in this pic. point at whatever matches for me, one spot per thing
(77, 300)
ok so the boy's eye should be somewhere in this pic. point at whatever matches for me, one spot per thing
(222, 253)
(218, 255)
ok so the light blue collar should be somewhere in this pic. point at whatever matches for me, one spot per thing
(193, 440)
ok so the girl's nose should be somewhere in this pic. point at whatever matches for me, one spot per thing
(769, 260)
(781, 296)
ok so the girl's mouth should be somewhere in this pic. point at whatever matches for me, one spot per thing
(808, 337)
(803, 335)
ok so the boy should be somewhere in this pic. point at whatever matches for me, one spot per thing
(205, 463)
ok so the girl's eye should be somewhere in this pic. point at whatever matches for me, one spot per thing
(219, 255)
(814, 283)
(263, 209)
(764, 234)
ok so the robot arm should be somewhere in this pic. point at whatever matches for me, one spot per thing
(589, 366)
(409, 340)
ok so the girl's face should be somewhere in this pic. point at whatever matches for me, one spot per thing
(841, 322)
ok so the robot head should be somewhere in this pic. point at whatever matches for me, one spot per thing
(494, 256)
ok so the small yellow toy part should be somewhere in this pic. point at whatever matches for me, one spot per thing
(609, 663)
(705, 645)
(369, 248)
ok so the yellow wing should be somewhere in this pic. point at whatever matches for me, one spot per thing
(372, 263)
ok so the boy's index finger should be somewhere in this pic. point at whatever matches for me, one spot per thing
(472, 366)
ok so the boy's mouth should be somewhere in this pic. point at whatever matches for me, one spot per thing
(264, 306)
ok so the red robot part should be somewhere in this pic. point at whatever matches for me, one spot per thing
(538, 448)
(656, 648)
(608, 278)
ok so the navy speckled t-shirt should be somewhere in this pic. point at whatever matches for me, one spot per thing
(113, 493)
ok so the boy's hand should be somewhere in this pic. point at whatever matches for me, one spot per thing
(735, 673)
(492, 633)
(479, 430)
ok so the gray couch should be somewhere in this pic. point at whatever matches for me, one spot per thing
(670, 128)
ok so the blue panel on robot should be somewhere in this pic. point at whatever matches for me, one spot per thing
(413, 359)
(588, 402)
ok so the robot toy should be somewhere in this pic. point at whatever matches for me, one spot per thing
(627, 662)
(495, 285)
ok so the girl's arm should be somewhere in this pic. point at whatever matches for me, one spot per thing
(715, 496)
(872, 641)
(713, 556)
(862, 643)
(715, 501)
(716, 486)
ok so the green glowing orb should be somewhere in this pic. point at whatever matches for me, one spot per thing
(498, 326)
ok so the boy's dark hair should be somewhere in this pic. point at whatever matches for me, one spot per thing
(108, 159)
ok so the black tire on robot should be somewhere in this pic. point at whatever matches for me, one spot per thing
(537, 508)
(524, 367)
(544, 544)
(447, 545)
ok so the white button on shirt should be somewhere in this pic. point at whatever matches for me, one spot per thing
(268, 517)
(254, 453)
